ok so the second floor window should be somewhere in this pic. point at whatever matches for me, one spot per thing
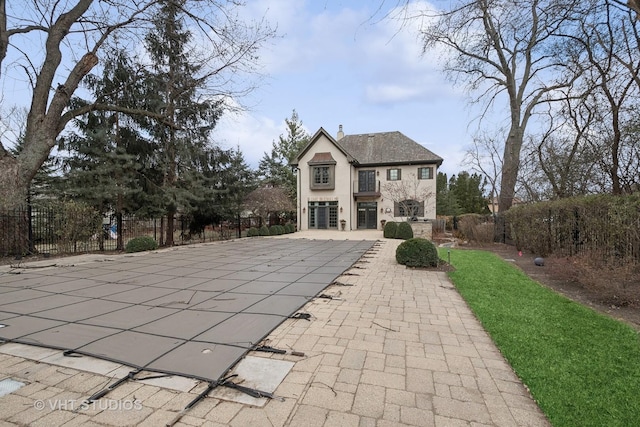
(367, 181)
(394, 174)
(425, 173)
(322, 171)
(321, 175)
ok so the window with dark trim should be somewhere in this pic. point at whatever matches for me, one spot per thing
(366, 181)
(425, 173)
(323, 215)
(321, 175)
(322, 172)
(408, 208)
(394, 174)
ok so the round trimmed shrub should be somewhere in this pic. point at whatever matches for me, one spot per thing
(390, 228)
(417, 252)
(289, 228)
(404, 231)
(276, 230)
(139, 244)
(253, 232)
(264, 231)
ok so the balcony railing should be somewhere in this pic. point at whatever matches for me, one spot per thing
(366, 191)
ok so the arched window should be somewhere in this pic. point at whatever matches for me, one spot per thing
(409, 208)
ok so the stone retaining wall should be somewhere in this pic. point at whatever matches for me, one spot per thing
(422, 229)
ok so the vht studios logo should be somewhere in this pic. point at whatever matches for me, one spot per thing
(83, 405)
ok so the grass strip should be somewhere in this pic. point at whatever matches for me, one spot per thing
(582, 367)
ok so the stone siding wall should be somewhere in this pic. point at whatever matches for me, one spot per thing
(422, 229)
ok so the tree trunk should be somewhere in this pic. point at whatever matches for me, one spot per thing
(14, 194)
(119, 226)
(510, 167)
(171, 214)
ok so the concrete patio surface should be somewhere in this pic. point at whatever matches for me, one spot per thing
(394, 347)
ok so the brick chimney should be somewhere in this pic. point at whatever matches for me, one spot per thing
(340, 133)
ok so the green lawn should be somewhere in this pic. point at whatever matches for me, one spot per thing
(583, 368)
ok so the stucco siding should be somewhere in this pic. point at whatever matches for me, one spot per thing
(409, 187)
(330, 193)
(341, 191)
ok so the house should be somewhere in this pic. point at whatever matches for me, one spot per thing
(495, 202)
(356, 181)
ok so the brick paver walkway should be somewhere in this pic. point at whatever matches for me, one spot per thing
(400, 347)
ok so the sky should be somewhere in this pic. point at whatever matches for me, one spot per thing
(342, 63)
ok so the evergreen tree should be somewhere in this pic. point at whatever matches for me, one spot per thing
(174, 86)
(468, 190)
(446, 201)
(228, 175)
(275, 167)
(107, 154)
(240, 181)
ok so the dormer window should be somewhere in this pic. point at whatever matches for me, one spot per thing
(322, 172)
(321, 175)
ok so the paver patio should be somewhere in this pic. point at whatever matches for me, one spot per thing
(400, 347)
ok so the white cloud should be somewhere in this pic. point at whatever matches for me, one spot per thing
(336, 65)
(253, 134)
(390, 93)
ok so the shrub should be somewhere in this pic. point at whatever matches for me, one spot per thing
(404, 231)
(276, 230)
(75, 222)
(264, 231)
(390, 230)
(289, 228)
(417, 252)
(139, 244)
(483, 233)
(253, 232)
(468, 225)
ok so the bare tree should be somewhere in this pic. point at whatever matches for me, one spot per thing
(56, 44)
(605, 49)
(504, 49)
(411, 196)
(485, 157)
(559, 162)
(268, 199)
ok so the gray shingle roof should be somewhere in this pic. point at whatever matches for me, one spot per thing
(387, 148)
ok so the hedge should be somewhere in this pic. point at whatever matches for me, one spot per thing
(605, 225)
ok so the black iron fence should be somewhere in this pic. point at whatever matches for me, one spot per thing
(54, 231)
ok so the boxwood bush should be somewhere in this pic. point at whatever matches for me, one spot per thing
(404, 231)
(253, 232)
(390, 228)
(417, 252)
(139, 244)
(276, 230)
(264, 231)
